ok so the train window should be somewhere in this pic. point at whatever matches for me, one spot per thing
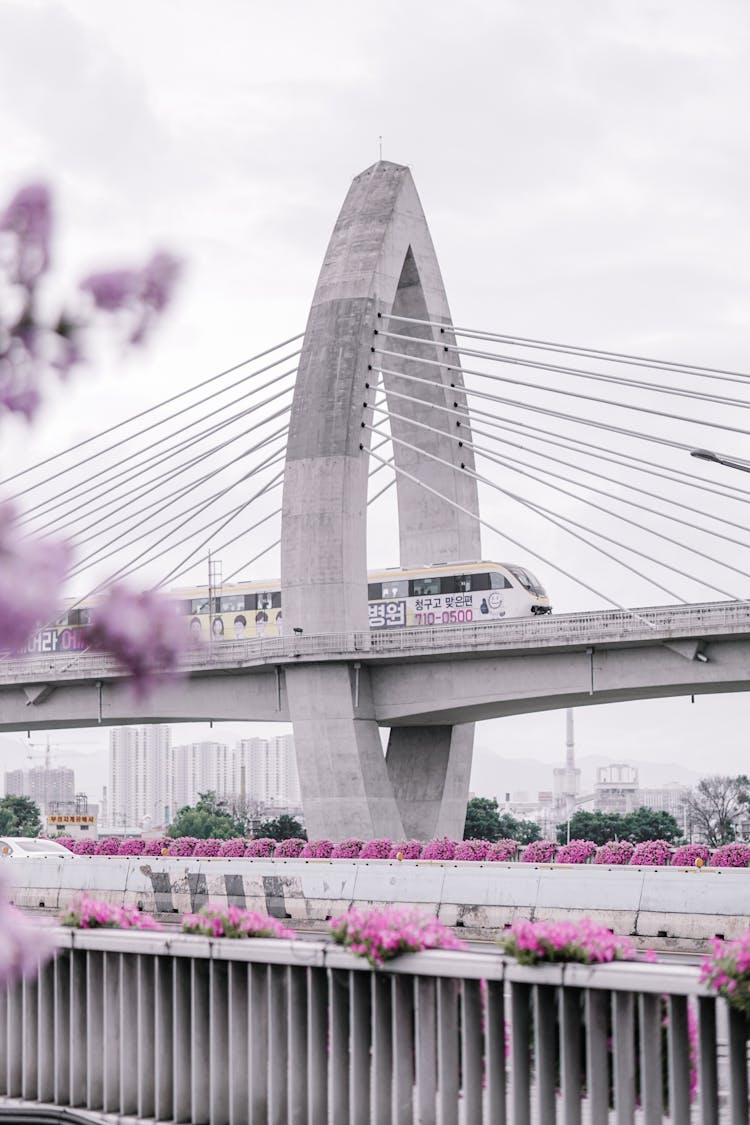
(498, 581)
(374, 591)
(184, 608)
(425, 587)
(276, 599)
(199, 605)
(79, 617)
(480, 581)
(395, 588)
(230, 603)
(263, 601)
(527, 579)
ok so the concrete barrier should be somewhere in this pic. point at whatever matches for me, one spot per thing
(679, 903)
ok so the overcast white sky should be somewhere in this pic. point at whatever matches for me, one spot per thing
(583, 167)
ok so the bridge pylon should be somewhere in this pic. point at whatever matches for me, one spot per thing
(380, 264)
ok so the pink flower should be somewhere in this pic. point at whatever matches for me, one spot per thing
(31, 576)
(142, 293)
(156, 846)
(502, 851)
(142, 631)
(132, 847)
(727, 970)
(688, 853)
(182, 846)
(577, 851)
(88, 913)
(317, 849)
(206, 848)
(539, 851)
(472, 850)
(108, 845)
(263, 847)
(652, 853)
(289, 849)
(442, 847)
(614, 853)
(232, 848)
(28, 216)
(233, 922)
(386, 932)
(377, 849)
(84, 847)
(407, 849)
(584, 941)
(347, 849)
(731, 855)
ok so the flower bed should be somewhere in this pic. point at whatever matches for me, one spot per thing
(541, 851)
(727, 970)
(731, 855)
(381, 934)
(233, 922)
(585, 941)
(577, 851)
(89, 914)
(442, 847)
(615, 853)
(689, 855)
(652, 853)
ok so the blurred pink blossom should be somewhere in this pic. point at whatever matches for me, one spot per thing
(386, 932)
(31, 574)
(142, 631)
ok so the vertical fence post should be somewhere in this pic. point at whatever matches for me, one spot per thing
(495, 1033)
(623, 1047)
(382, 1048)
(402, 1030)
(571, 1056)
(708, 1083)
(738, 1035)
(652, 1083)
(426, 1052)
(317, 1045)
(597, 1006)
(520, 1051)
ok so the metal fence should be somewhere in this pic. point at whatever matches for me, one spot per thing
(608, 626)
(183, 1029)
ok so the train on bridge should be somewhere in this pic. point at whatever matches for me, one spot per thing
(400, 597)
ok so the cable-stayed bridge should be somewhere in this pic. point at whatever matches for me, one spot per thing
(382, 389)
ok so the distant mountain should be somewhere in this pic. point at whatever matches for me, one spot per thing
(494, 775)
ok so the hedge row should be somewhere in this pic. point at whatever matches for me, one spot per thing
(650, 853)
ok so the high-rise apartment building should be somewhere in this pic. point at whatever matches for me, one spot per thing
(266, 771)
(46, 786)
(138, 776)
(150, 780)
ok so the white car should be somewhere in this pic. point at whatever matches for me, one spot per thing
(28, 847)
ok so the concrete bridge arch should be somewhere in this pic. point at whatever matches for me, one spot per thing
(380, 262)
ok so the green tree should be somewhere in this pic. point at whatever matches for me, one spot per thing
(19, 816)
(284, 827)
(210, 818)
(597, 826)
(482, 819)
(484, 822)
(715, 806)
(651, 824)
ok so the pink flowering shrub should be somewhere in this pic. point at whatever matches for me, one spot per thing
(407, 849)
(652, 853)
(317, 849)
(386, 932)
(727, 970)
(289, 849)
(689, 853)
(157, 846)
(502, 851)
(207, 847)
(89, 913)
(262, 848)
(142, 630)
(442, 847)
(232, 849)
(347, 849)
(134, 846)
(584, 941)
(731, 855)
(233, 922)
(182, 846)
(376, 849)
(66, 841)
(472, 850)
(615, 853)
(108, 845)
(539, 851)
(577, 851)
(84, 847)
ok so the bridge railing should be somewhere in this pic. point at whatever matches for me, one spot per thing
(662, 623)
(185, 1029)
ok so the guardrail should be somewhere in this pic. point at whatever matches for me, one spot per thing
(185, 1029)
(608, 626)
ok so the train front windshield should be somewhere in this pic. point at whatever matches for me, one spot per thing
(528, 581)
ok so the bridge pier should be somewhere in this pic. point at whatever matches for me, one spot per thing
(429, 768)
(346, 790)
